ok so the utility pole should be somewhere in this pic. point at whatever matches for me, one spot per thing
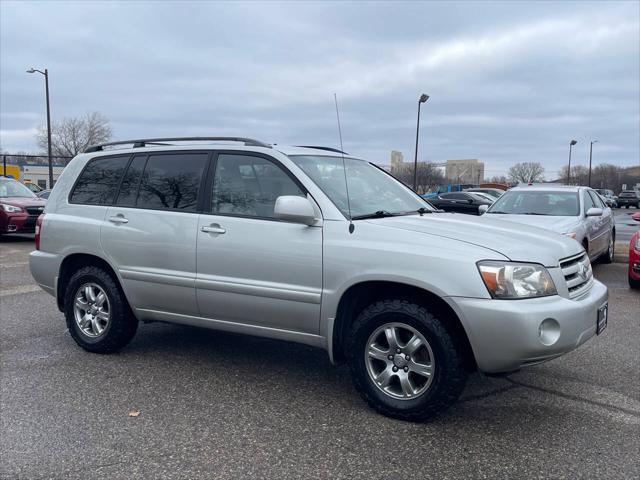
(423, 98)
(590, 156)
(571, 144)
(46, 86)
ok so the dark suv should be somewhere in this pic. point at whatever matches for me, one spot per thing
(628, 198)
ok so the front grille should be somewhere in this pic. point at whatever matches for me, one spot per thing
(34, 210)
(577, 273)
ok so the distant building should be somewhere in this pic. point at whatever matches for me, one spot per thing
(465, 171)
(39, 174)
(397, 159)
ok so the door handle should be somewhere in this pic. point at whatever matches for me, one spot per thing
(118, 219)
(213, 228)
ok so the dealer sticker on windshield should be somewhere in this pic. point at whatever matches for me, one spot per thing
(603, 314)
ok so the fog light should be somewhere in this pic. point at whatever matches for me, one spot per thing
(549, 331)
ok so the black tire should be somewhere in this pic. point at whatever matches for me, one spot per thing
(609, 255)
(635, 284)
(122, 324)
(449, 375)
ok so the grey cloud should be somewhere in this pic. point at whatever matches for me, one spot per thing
(509, 82)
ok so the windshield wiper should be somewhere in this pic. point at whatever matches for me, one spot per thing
(377, 214)
(534, 213)
(498, 211)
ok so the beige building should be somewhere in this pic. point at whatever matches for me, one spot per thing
(465, 171)
(397, 159)
(39, 174)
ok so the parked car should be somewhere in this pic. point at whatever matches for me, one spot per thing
(44, 194)
(33, 187)
(629, 198)
(610, 199)
(459, 202)
(265, 240)
(634, 256)
(492, 192)
(577, 212)
(19, 207)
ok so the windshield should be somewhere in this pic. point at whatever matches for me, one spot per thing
(371, 190)
(11, 188)
(559, 204)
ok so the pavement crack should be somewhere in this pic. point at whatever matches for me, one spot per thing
(575, 398)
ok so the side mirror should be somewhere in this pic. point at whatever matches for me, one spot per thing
(482, 209)
(470, 201)
(594, 212)
(294, 209)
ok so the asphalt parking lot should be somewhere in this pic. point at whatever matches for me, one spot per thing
(625, 225)
(217, 405)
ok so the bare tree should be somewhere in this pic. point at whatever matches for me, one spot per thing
(496, 179)
(579, 175)
(71, 136)
(428, 175)
(526, 172)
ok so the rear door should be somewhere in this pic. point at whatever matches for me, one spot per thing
(254, 269)
(150, 232)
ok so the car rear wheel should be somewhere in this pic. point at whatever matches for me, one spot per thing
(404, 362)
(98, 316)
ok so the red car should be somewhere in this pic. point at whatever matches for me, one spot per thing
(634, 256)
(19, 207)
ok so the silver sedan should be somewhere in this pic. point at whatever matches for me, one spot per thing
(577, 212)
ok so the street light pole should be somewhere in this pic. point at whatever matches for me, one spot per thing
(423, 98)
(571, 144)
(46, 85)
(590, 156)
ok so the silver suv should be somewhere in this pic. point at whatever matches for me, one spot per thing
(265, 240)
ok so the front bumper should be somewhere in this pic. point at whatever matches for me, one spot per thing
(505, 334)
(19, 223)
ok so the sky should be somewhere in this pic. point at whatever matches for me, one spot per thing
(508, 81)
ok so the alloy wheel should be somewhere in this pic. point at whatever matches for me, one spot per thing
(91, 310)
(399, 361)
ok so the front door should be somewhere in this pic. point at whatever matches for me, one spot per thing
(251, 267)
(150, 232)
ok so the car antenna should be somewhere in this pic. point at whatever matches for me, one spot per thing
(352, 227)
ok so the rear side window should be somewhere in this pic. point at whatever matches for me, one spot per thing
(98, 182)
(131, 181)
(172, 181)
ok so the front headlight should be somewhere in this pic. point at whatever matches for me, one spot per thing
(11, 208)
(508, 280)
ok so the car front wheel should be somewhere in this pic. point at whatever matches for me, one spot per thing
(404, 362)
(609, 255)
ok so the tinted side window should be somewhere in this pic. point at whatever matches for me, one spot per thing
(246, 185)
(130, 182)
(98, 182)
(172, 181)
(455, 196)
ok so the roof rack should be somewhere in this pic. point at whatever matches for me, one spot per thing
(162, 141)
(328, 149)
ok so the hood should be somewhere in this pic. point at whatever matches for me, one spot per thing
(553, 223)
(23, 201)
(517, 242)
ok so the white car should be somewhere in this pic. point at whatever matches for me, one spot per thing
(578, 212)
